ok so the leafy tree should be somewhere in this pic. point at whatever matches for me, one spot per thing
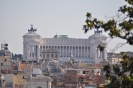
(19, 56)
(120, 26)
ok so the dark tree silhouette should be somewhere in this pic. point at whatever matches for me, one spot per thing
(120, 26)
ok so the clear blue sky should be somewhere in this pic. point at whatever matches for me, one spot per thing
(51, 17)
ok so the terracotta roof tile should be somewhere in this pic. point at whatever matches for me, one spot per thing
(23, 66)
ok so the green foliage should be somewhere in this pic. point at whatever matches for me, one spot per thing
(120, 78)
(45, 73)
(101, 48)
(121, 26)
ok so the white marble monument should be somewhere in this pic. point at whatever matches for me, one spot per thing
(82, 49)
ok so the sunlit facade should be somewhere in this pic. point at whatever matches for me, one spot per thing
(82, 49)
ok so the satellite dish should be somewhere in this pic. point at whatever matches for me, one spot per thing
(5, 44)
(5, 48)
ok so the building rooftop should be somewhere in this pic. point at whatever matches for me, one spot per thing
(23, 66)
(37, 71)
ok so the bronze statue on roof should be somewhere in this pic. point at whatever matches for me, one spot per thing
(32, 29)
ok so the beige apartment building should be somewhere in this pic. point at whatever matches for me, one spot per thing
(5, 64)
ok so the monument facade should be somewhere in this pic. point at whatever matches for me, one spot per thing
(87, 49)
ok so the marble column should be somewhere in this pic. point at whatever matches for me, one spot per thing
(42, 51)
(97, 53)
(72, 50)
(24, 47)
(78, 51)
(87, 51)
(59, 51)
(92, 51)
(31, 51)
(81, 51)
(62, 51)
(105, 53)
(84, 52)
(28, 53)
(101, 54)
(34, 51)
(75, 51)
(38, 52)
(66, 51)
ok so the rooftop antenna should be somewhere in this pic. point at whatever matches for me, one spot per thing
(2, 44)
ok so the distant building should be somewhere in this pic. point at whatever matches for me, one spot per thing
(17, 56)
(7, 81)
(115, 58)
(50, 54)
(83, 77)
(83, 49)
(38, 80)
(5, 59)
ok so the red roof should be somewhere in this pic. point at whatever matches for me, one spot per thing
(23, 66)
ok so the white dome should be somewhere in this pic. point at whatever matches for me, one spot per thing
(97, 36)
(31, 34)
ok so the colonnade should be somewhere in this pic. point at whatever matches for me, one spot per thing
(33, 51)
(64, 51)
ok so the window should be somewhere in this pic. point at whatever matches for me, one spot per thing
(43, 55)
(5, 60)
(52, 55)
(47, 55)
(56, 56)
(32, 54)
(1, 64)
(44, 48)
